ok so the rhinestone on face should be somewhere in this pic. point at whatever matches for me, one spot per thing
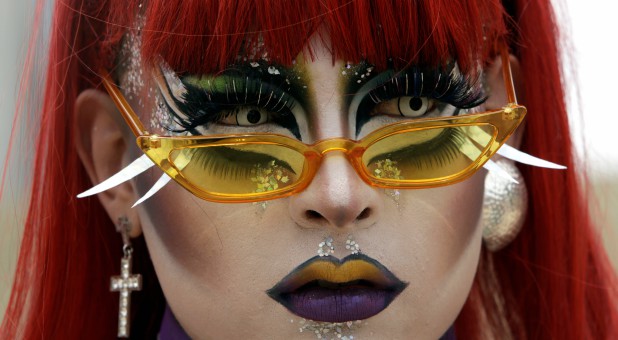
(352, 246)
(326, 248)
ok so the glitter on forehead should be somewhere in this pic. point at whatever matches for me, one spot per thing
(253, 50)
(178, 90)
(356, 73)
(160, 121)
(132, 78)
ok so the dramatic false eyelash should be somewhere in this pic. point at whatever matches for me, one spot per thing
(232, 163)
(222, 167)
(446, 85)
(440, 150)
(201, 106)
(450, 87)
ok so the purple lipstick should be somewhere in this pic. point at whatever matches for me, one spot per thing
(332, 290)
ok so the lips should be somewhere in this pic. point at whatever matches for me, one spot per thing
(332, 290)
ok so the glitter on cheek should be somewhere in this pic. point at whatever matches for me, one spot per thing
(388, 169)
(394, 194)
(260, 207)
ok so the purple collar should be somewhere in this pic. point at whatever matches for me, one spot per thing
(171, 329)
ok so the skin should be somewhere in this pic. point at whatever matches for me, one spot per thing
(215, 261)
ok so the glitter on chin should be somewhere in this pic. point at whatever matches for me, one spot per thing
(330, 330)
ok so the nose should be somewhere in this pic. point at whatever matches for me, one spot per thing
(337, 198)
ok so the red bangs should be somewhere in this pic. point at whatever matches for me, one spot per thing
(205, 36)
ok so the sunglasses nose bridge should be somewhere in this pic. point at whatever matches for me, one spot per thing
(335, 144)
(350, 148)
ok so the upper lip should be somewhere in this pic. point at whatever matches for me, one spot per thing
(333, 290)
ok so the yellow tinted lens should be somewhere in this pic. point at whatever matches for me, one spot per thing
(427, 154)
(239, 169)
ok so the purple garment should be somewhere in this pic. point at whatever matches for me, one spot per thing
(449, 335)
(171, 329)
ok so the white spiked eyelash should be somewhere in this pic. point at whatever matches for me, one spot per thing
(512, 153)
(138, 166)
(135, 168)
(493, 166)
(159, 184)
(143, 163)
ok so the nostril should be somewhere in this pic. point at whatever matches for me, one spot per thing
(313, 215)
(364, 214)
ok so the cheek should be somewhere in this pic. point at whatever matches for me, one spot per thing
(434, 245)
(214, 261)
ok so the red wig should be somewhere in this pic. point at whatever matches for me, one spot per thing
(554, 281)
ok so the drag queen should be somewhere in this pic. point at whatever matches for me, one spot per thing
(315, 169)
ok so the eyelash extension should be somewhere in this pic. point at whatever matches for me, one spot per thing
(223, 96)
(450, 87)
(226, 162)
(438, 151)
(443, 84)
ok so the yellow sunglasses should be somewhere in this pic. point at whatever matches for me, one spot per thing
(256, 167)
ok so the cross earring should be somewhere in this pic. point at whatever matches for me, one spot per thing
(125, 283)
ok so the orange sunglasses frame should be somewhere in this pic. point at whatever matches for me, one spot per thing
(158, 148)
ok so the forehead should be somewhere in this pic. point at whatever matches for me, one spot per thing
(209, 38)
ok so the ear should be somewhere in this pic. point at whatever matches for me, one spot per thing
(103, 152)
(497, 91)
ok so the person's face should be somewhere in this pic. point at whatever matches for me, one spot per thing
(216, 261)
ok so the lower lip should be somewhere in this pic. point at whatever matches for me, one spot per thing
(338, 305)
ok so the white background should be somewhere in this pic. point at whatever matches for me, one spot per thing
(594, 34)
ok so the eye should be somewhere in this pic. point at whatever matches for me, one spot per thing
(413, 106)
(405, 106)
(246, 116)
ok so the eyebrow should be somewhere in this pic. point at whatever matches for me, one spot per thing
(353, 78)
(291, 80)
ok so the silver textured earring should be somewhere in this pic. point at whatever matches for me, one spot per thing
(126, 282)
(504, 206)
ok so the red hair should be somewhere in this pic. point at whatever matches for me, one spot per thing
(553, 281)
